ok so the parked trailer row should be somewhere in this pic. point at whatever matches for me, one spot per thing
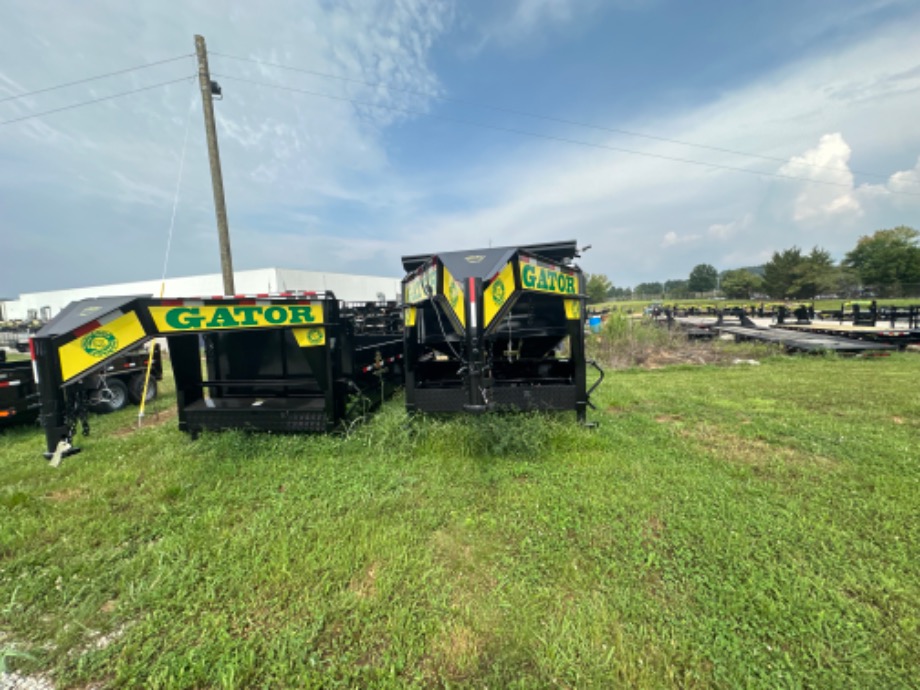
(488, 329)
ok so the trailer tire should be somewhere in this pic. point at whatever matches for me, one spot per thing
(117, 399)
(136, 388)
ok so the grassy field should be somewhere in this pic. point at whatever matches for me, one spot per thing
(733, 526)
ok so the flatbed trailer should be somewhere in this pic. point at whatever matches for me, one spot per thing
(107, 390)
(899, 337)
(803, 341)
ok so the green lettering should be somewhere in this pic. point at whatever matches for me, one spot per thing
(570, 285)
(222, 319)
(174, 317)
(541, 283)
(275, 315)
(527, 276)
(551, 280)
(301, 314)
(249, 315)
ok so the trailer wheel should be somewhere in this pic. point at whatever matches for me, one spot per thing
(112, 396)
(136, 389)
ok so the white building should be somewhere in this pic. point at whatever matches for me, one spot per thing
(351, 288)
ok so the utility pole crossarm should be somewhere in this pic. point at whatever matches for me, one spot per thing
(217, 180)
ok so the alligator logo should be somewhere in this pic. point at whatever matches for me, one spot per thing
(99, 344)
(498, 293)
(474, 258)
(315, 335)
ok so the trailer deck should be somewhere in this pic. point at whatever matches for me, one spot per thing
(901, 337)
(804, 341)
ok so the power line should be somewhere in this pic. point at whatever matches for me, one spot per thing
(550, 137)
(95, 100)
(99, 76)
(548, 118)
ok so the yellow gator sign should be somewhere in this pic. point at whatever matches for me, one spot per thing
(454, 293)
(498, 293)
(109, 339)
(418, 289)
(545, 279)
(210, 318)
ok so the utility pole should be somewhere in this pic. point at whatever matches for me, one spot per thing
(217, 180)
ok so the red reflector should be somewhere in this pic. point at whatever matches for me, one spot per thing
(32, 348)
(86, 328)
(472, 291)
(247, 302)
(4, 384)
(262, 294)
(172, 302)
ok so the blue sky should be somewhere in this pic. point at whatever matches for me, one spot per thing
(825, 91)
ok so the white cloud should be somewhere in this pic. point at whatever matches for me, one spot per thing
(827, 166)
(723, 231)
(672, 238)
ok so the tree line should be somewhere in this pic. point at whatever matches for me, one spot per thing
(883, 264)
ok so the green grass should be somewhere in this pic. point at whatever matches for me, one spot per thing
(734, 526)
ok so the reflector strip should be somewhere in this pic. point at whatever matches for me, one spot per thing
(86, 328)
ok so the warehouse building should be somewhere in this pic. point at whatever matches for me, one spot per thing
(351, 288)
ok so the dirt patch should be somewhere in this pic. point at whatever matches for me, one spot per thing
(151, 420)
(455, 654)
(754, 452)
(668, 418)
(470, 578)
(365, 585)
(64, 495)
(897, 420)
(654, 527)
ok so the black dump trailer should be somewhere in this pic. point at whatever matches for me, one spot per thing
(497, 328)
(287, 363)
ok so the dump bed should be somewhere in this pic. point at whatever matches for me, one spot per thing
(493, 328)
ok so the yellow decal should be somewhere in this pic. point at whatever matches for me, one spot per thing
(572, 309)
(453, 290)
(210, 318)
(545, 279)
(92, 348)
(410, 314)
(310, 337)
(421, 287)
(498, 293)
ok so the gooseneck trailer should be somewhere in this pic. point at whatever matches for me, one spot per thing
(496, 328)
(289, 362)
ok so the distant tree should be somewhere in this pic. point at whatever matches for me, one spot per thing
(779, 273)
(792, 274)
(816, 275)
(741, 284)
(676, 289)
(887, 260)
(649, 289)
(619, 292)
(703, 278)
(598, 287)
